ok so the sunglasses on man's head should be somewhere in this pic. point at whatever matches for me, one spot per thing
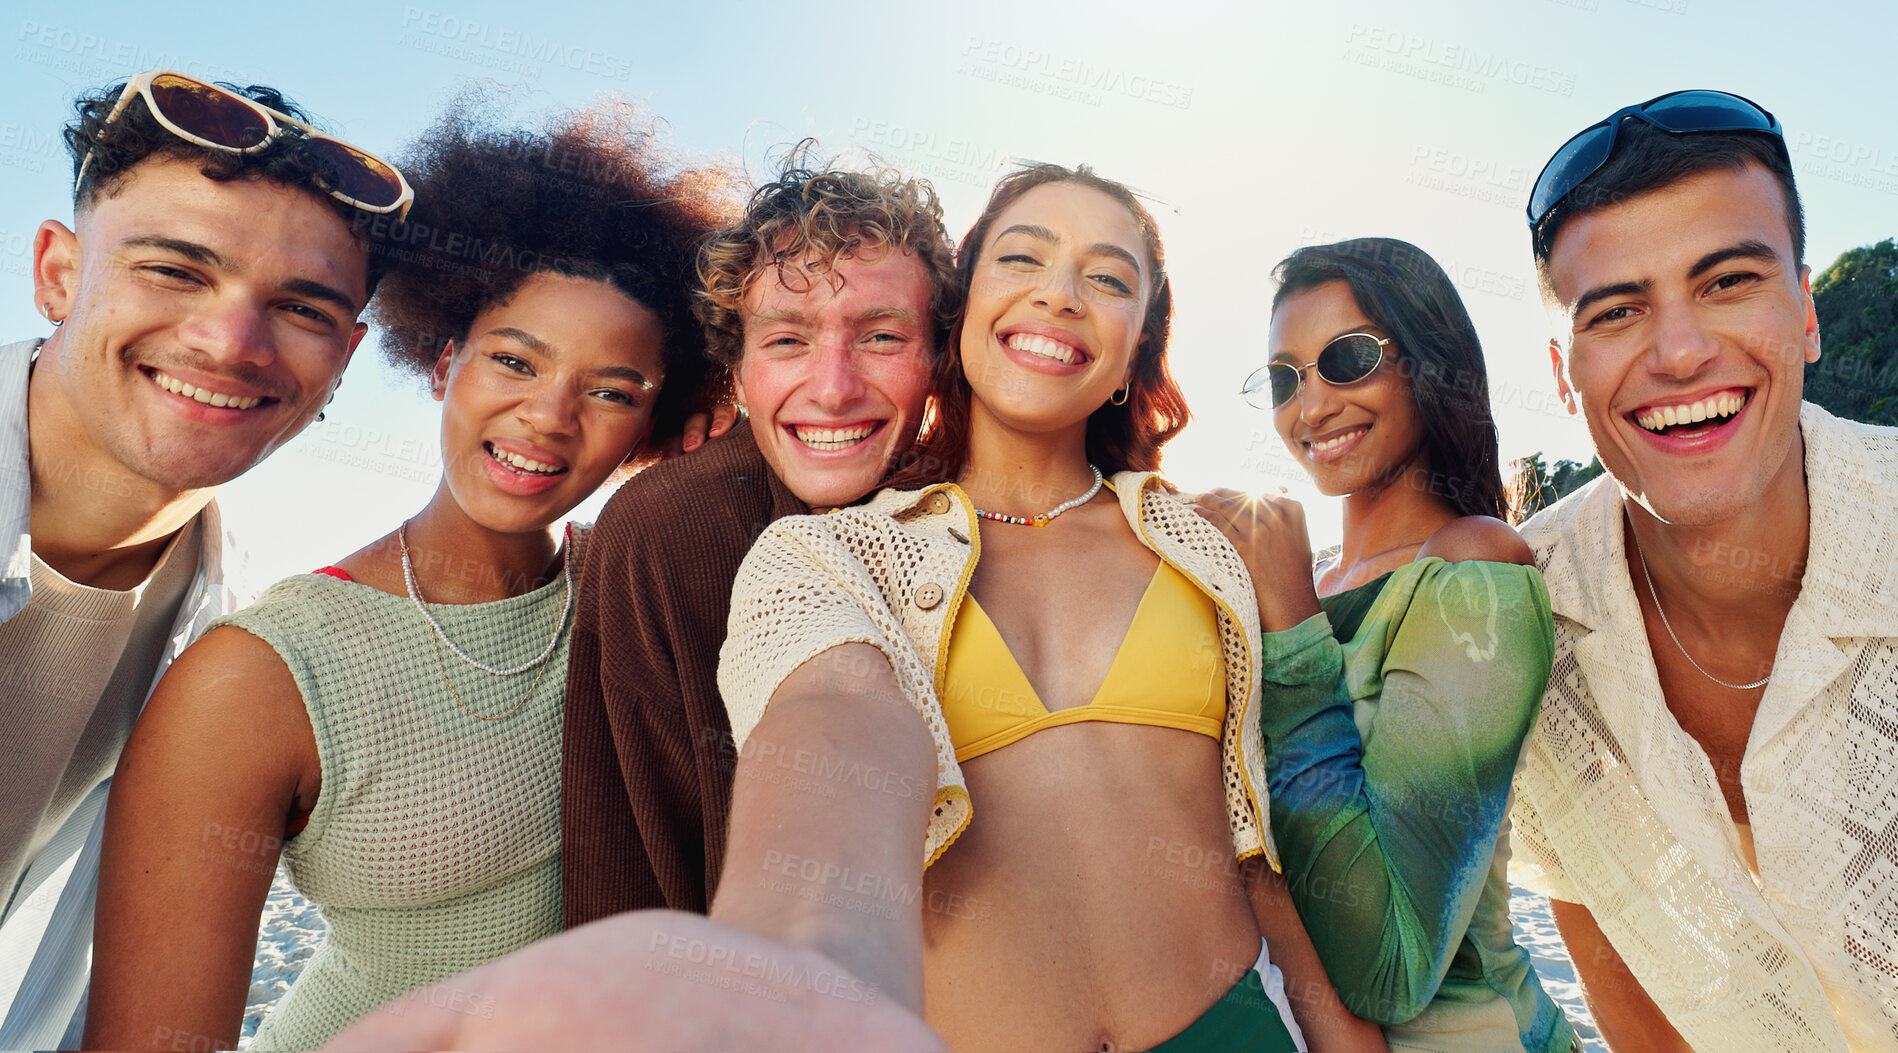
(1346, 360)
(1680, 112)
(212, 117)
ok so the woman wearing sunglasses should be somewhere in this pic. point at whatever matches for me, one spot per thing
(391, 725)
(1053, 658)
(1431, 637)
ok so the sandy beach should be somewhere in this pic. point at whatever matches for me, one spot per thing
(291, 927)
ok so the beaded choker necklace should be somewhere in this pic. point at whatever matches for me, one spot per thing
(1044, 518)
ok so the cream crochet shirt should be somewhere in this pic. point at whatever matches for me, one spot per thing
(1618, 809)
(891, 573)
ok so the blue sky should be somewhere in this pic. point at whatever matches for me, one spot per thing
(1263, 126)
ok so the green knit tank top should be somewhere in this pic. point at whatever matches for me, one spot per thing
(435, 843)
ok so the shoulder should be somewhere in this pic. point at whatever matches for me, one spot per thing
(296, 618)
(1477, 538)
(720, 494)
(862, 527)
(227, 666)
(230, 649)
(727, 470)
(1876, 449)
(228, 694)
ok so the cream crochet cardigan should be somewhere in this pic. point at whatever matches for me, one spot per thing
(891, 573)
(1619, 809)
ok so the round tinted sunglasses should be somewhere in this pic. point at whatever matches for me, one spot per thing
(1680, 112)
(1346, 360)
(212, 117)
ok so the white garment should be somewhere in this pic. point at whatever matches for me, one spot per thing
(1618, 809)
(46, 916)
(1273, 982)
(64, 706)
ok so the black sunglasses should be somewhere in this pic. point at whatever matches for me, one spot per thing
(1696, 110)
(1346, 360)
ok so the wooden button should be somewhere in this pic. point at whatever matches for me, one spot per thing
(938, 503)
(928, 596)
(958, 535)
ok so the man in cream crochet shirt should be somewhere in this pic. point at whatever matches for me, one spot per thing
(204, 305)
(1711, 794)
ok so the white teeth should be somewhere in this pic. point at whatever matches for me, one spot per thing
(1717, 406)
(522, 464)
(209, 398)
(1331, 444)
(831, 438)
(1042, 347)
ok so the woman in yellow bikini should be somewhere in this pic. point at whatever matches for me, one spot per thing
(1062, 654)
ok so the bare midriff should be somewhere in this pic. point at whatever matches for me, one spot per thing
(1094, 901)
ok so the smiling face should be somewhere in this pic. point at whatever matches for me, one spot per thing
(206, 322)
(1688, 326)
(1352, 436)
(1055, 307)
(553, 390)
(835, 369)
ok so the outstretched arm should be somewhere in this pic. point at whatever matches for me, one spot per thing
(804, 833)
(221, 756)
(649, 981)
(783, 963)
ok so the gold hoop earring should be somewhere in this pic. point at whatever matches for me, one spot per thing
(1119, 398)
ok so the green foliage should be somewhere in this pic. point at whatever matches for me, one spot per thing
(1538, 486)
(1857, 302)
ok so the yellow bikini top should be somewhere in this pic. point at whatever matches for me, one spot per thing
(1170, 672)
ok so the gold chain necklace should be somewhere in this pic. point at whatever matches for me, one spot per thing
(442, 668)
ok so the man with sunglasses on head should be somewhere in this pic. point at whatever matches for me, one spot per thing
(204, 304)
(1711, 794)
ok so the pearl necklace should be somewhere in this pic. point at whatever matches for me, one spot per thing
(415, 596)
(1043, 519)
(1649, 578)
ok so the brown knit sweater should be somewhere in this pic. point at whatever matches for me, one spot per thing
(646, 787)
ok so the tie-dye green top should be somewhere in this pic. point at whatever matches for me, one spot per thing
(1393, 732)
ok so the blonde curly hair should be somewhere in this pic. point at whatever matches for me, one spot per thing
(816, 214)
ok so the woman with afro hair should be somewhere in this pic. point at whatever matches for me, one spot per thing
(390, 726)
